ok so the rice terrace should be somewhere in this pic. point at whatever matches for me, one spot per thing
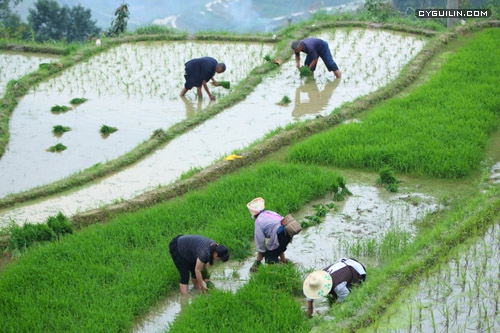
(396, 164)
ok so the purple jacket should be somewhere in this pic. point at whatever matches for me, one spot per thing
(266, 227)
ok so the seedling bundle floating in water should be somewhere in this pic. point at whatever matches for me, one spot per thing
(284, 101)
(105, 129)
(57, 148)
(60, 108)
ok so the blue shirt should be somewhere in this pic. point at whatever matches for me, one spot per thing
(312, 46)
(199, 70)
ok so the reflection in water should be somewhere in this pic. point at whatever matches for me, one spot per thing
(191, 109)
(316, 100)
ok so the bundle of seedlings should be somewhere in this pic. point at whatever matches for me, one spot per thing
(305, 71)
(225, 84)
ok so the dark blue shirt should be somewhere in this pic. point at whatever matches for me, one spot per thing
(199, 70)
(192, 247)
(312, 46)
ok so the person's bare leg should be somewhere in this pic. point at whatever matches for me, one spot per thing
(183, 288)
(196, 285)
(183, 92)
(337, 73)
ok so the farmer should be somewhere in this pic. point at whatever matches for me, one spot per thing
(334, 281)
(315, 48)
(198, 72)
(192, 254)
(268, 227)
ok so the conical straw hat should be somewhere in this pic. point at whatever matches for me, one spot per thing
(256, 206)
(317, 284)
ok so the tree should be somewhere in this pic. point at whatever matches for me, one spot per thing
(50, 21)
(81, 26)
(119, 24)
(11, 25)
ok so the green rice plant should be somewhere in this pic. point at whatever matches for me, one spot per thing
(105, 129)
(23, 237)
(57, 148)
(305, 71)
(60, 129)
(387, 179)
(321, 210)
(265, 304)
(77, 101)
(225, 84)
(59, 224)
(59, 108)
(284, 101)
(267, 58)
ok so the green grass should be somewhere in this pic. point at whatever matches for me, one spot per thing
(102, 277)
(265, 304)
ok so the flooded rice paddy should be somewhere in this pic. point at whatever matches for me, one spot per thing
(14, 66)
(369, 213)
(133, 87)
(463, 296)
(369, 59)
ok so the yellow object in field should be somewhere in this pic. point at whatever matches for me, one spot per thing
(232, 157)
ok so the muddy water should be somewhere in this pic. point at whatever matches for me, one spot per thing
(14, 66)
(368, 214)
(368, 59)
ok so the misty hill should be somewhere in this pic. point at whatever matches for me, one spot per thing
(204, 15)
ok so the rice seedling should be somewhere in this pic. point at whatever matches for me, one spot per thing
(78, 100)
(225, 84)
(105, 129)
(60, 109)
(387, 179)
(305, 71)
(284, 101)
(57, 148)
(60, 129)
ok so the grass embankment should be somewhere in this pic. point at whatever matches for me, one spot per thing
(439, 130)
(415, 132)
(99, 279)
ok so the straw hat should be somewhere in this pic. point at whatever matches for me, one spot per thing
(317, 284)
(256, 206)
